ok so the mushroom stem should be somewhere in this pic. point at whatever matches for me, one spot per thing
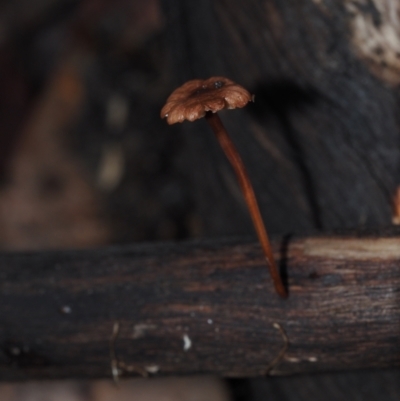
(244, 181)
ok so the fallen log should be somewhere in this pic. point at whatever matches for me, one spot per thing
(201, 307)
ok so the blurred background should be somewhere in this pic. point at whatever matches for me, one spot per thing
(85, 159)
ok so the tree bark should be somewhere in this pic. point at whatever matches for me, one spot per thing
(321, 141)
(201, 307)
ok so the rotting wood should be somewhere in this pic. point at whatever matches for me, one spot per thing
(200, 307)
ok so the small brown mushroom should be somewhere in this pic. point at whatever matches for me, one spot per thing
(203, 98)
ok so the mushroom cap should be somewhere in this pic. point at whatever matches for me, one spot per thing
(195, 98)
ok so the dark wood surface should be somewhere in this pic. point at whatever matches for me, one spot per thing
(321, 141)
(58, 310)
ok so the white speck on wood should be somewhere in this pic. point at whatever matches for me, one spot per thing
(115, 373)
(187, 342)
(152, 369)
(292, 359)
(209, 321)
(141, 329)
(66, 309)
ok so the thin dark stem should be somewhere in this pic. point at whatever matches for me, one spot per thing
(233, 156)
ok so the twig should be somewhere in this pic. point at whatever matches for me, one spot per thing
(282, 352)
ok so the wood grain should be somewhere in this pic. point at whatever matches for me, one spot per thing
(200, 307)
(321, 140)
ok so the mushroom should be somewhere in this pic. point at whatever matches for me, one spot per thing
(203, 98)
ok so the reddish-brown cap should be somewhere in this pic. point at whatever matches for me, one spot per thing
(193, 99)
